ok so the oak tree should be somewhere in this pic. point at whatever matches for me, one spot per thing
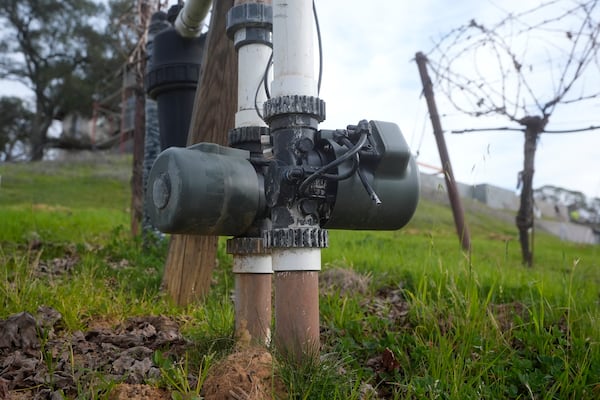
(59, 50)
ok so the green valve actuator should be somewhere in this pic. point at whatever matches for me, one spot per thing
(203, 189)
(393, 175)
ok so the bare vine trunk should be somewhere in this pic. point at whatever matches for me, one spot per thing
(534, 126)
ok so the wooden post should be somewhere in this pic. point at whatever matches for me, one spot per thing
(455, 203)
(139, 122)
(139, 132)
(191, 258)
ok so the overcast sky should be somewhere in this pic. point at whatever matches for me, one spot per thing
(370, 73)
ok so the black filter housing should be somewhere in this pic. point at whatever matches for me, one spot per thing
(172, 81)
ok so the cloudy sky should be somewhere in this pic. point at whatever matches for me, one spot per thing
(369, 72)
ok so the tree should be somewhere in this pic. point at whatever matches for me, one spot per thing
(58, 50)
(15, 124)
(525, 66)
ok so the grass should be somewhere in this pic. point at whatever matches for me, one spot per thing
(63, 202)
(433, 322)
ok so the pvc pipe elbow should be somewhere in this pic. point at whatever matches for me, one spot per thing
(189, 21)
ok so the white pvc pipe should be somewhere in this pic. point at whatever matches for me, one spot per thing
(294, 74)
(296, 269)
(296, 259)
(252, 61)
(252, 264)
(293, 49)
(189, 21)
(252, 271)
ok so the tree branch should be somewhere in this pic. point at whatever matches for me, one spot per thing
(507, 128)
(506, 85)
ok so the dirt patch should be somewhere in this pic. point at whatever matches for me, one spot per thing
(138, 392)
(98, 323)
(348, 282)
(506, 315)
(39, 359)
(247, 374)
(50, 208)
(389, 303)
(384, 362)
(56, 267)
(412, 231)
(500, 237)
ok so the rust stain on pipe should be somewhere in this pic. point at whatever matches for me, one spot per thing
(253, 308)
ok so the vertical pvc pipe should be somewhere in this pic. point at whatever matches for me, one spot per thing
(253, 276)
(296, 269)
(293, 49)
(252, 61)
(252, 264)
(297, 333)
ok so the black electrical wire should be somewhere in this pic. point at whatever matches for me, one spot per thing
(320, 47)
(351, 152)
(368, 187)
(264, 80)
(266, 75)
(259, 161)
(363, 178)
(346, 142)
(347, 174)
(256, 102)
(270, 62)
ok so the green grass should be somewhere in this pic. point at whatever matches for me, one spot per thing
(63, 202)
(456, 327)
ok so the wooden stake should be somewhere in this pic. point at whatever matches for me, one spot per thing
(191, 259)
(139, 125)
(453, 196)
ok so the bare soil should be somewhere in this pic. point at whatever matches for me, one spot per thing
(38, 360)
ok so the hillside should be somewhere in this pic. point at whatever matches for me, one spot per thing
(404, 314)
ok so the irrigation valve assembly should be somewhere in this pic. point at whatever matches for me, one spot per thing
(283, 182)
(362, 177)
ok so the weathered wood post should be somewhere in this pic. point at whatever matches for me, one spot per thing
(457, 209)
(192, 258)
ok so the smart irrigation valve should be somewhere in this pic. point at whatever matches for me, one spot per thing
(362, 177)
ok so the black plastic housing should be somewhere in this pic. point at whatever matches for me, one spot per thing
(172, 82)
